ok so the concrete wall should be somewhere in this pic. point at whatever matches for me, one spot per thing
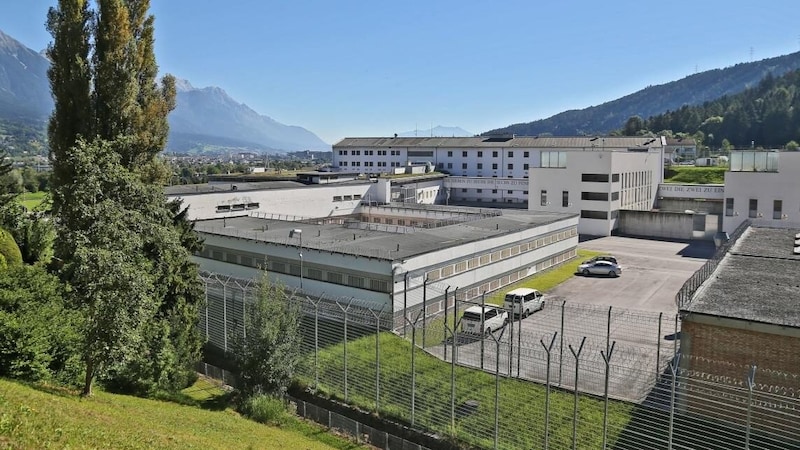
(682, 204)
(666, 225)
(765, 187)
(312, 201)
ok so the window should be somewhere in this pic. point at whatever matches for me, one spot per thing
(464, 166)
(615, 196)
(615, 178)
(510, 167)
(565, 199)
(449, 154)
(464, 154)
(337, 198)
(777, 209)
(420, 153)
(594, 177)
(544, 197)
(449, 165)
(510, 192)
(494, 166)
(729, 207)
(342, 152)
(554, 160)
(753, 208)
(525, 166)
(463, 189)
(494, 154)
(356, 152)
(510, 154)
(596, 196)
(479, 191)
(586, 214)
(526, 154)
(480, 166)
(480, 154)
(494, 191)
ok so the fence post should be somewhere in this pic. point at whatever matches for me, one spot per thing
(608, 331)
(675, 340)
(207, 335)
(483, 308)
(519, 340)
(316, 341)
(224, 318)
(561, 344)
(424, 309)
(405, 300)
(547, 349)
(673, 368)
(606, 359)
(658, 347)
(511, 340)
(496, 340)
(377, 359)
(344, 310)
(751, 382)
(577, 356)
(413, 366)
(446, 291)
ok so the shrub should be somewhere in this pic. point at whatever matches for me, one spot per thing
(267, 409)
(9, 249)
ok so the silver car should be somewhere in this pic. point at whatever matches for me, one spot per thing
(600, 268)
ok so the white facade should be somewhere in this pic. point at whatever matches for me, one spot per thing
(596, 185)
(764, 187)
(388, 270)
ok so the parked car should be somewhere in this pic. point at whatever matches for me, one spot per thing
(602, 258)
(492, 318)
(600, 268)
(523, 301)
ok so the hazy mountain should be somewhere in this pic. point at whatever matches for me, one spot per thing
(438, 131)
(203, 118)
(209, 116)
(692, 90)
(24, 88)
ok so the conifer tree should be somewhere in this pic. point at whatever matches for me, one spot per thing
(104, 79)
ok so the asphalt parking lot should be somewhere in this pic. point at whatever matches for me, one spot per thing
(652, 273)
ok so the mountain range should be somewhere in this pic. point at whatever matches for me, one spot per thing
(689, 91)
(203, 119)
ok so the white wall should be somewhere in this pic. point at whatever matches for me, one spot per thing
(312, 201)
(637, 186)
(765, 187)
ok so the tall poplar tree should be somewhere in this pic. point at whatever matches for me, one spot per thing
(108, 99)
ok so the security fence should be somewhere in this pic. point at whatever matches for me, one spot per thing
(569, 376)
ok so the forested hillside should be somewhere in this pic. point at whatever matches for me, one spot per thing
(767, 115)
(689, 91)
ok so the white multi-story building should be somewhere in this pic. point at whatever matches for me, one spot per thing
(764, 187)
(522, 170)
(596, 185)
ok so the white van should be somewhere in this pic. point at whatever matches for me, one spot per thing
(524, 301)
(493, 318)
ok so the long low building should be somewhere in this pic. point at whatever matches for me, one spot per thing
(392, 257)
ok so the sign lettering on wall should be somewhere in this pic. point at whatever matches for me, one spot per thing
(704, 191)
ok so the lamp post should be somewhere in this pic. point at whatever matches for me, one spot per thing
(299, 233)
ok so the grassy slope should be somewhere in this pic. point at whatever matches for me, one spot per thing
(32, 200)
(35, 417)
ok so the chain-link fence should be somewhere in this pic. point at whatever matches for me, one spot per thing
(568, 376)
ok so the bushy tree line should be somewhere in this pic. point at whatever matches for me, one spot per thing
(767, 115)
(112, 261)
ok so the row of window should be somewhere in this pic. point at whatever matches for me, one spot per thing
(287, 267)
(346, 198)
(369, 152)
(500, 254)
(494, 191)
(465, 166)
(593, 196)
(495, 154)
(602, 215)
(369, 163)
(237, 207)
(777, 208)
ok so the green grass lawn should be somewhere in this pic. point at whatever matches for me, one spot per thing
(522, 403)
(695, 175)
(31, 200)
(50, 417)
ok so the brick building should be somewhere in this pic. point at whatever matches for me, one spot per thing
(746, 314)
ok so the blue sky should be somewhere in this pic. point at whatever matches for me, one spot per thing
(373, 68)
